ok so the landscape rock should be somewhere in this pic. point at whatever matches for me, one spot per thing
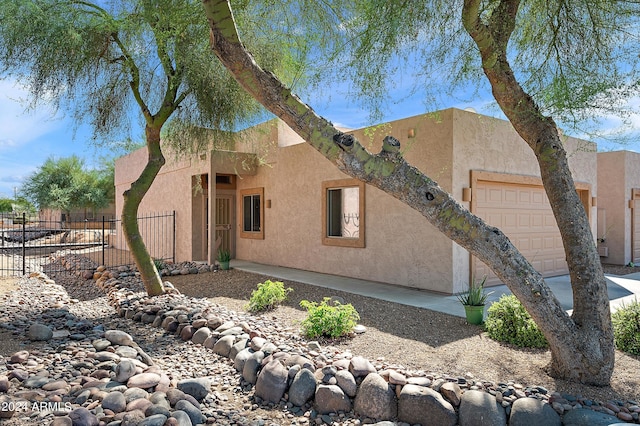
(200, 335)
(114, 401)
(192, 411)
(223, 346)
(125, 370)
(40, 332)
(272, 381)
(582, 417)
(302, 388)
(361, 366)
(376, 399)
(419, 404)
(197, 388)
(83, 417)
(118, 337)
(347, 382)
(331, 399)
(144, 380)
(530, 411)
(480, 409)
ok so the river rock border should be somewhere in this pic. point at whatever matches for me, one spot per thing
(297, 373)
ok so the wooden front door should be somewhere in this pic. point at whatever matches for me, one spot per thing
(225, 213)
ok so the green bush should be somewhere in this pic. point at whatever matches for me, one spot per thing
(327, 320)
(626, 328)
(508, 321)
(267, 296)
(159, 264)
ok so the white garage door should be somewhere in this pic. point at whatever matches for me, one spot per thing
(523, 213)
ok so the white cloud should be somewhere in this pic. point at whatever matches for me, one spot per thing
(18, 127)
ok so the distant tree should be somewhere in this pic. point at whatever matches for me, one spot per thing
(66, 185)
(105, 59)
(6, 205)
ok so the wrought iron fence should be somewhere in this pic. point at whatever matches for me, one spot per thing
(27, 243)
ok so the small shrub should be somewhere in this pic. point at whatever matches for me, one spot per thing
(267, 296)
(325, 320)
(159, 264)
(224, 255)
(508, 321)
(626, 328)
(476, 295)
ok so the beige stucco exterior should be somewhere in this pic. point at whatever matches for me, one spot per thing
(618, 176)
(400, 246)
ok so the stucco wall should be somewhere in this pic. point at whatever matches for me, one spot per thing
(618, 174)
(482, 143)
(401, 246)
(171, 190)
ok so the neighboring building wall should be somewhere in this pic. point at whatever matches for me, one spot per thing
(618, 174)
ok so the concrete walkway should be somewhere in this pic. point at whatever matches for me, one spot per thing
(621, 289)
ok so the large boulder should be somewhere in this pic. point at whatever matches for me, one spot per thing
(302, 388)
(272, 382)
(418, 404)
(531, 411)
(331, 399)
(479, 408)
(376, 399)
(583, 416)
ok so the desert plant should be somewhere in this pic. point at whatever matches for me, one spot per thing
(224, 255)
(508, 321)
(626, 328)
(328, 320)
(159, 264)
(476, 295)
(267, 296)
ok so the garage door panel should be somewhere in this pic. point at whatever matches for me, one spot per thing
(524, 215)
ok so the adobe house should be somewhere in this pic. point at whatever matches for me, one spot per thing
(619, 207)
(273, 199)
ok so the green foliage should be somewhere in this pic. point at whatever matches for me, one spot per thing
(159, 264)
(626, 328)
(6, 205)
(327, 320)
(224, 255)
(476, 295)
(267, 296)
(66, 184)
(508, 321)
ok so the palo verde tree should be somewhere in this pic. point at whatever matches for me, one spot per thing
(66, 184)
(129, 64)
(581, 344)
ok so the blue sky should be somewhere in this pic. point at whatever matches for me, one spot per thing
(28, 138)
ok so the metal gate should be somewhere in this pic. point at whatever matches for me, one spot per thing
(26, 242)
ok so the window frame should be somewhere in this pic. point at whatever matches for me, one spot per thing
(256, 235)
(327, 240)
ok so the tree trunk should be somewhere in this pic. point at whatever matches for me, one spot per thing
(588, 352)
(582, 347)
(132, 199)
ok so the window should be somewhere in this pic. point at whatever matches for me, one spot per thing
(252, 213)
(343, 213)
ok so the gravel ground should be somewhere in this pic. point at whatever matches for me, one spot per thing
(402, 335)
(418, 338)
